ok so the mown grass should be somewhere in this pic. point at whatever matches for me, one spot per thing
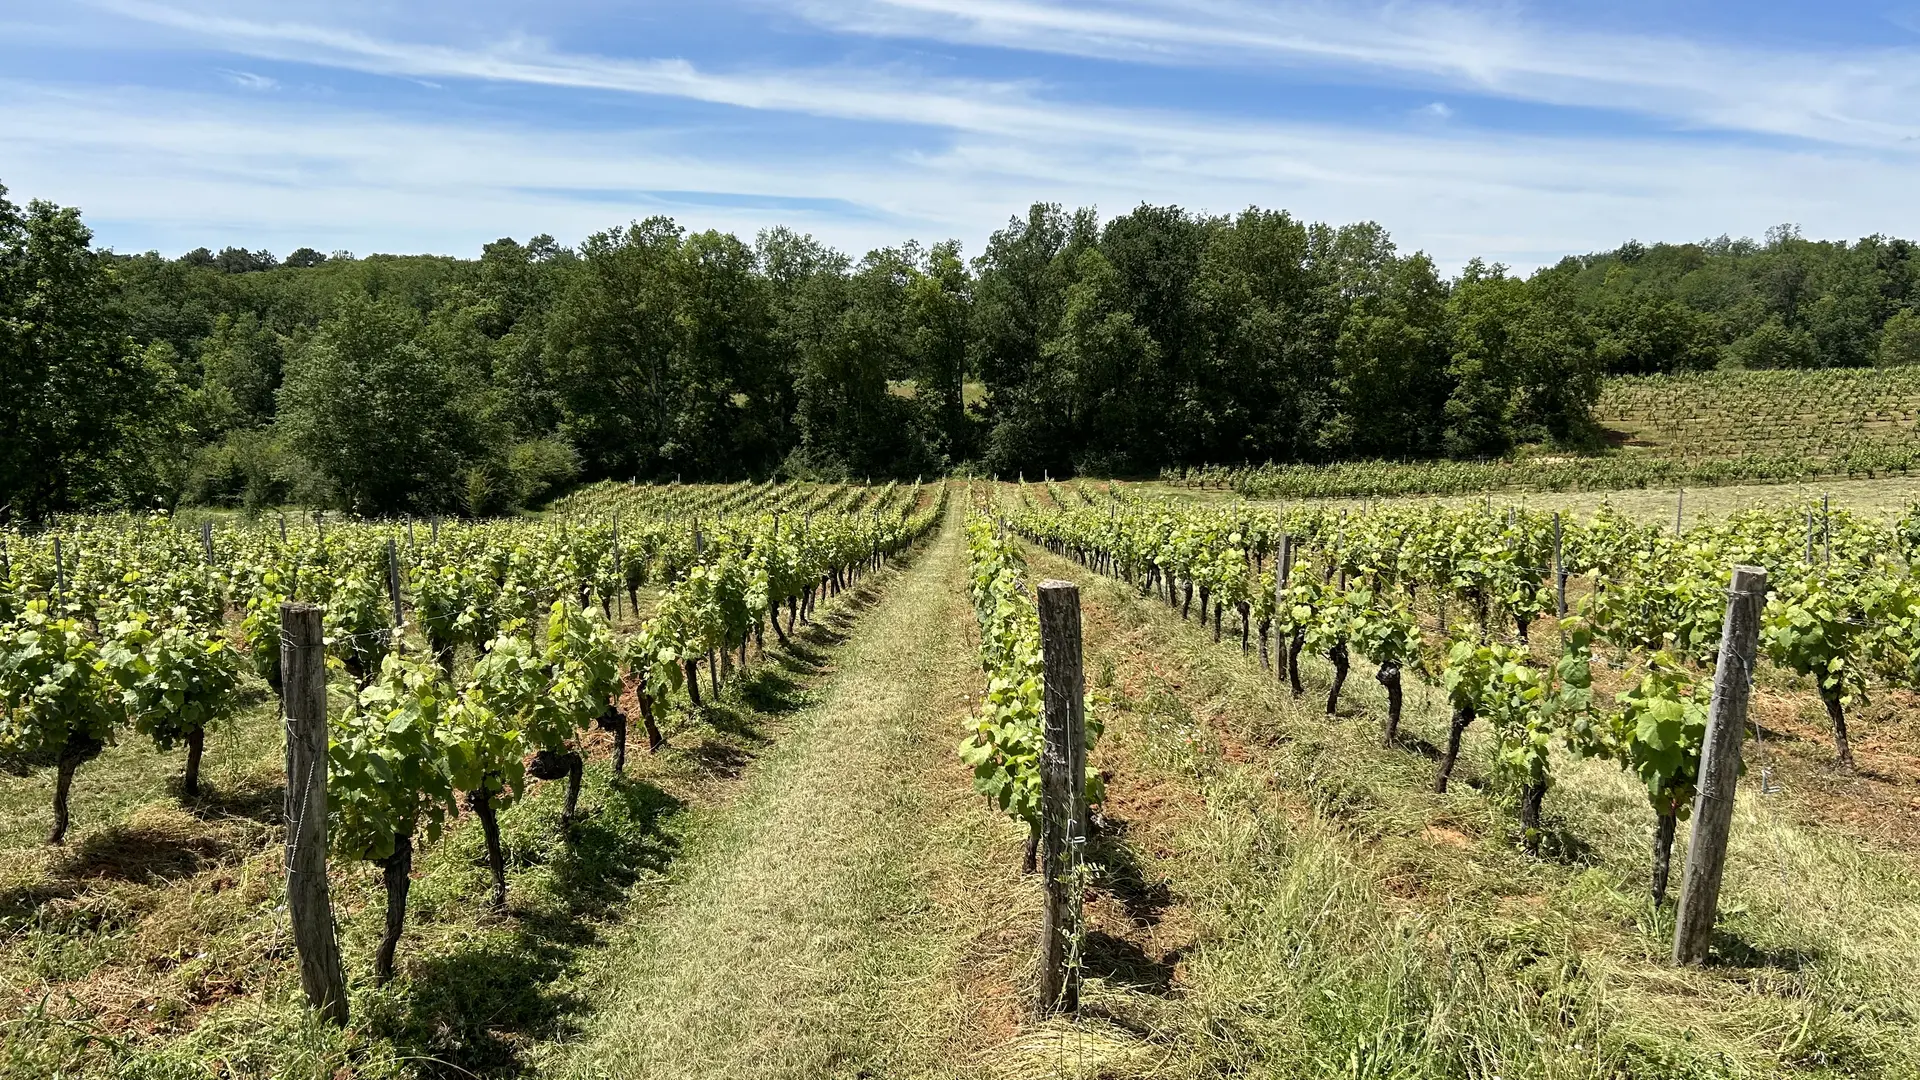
(1344, 920)
(156, 943)
(821, 925)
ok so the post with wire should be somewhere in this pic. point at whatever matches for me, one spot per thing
(1719, 767)
(303, 662)
(1063, 794)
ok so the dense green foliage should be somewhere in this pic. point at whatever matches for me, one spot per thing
(1158, 338)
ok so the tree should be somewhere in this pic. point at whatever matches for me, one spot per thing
(1104, 360)
(71, 384)
(1524, 365)
(939, 305)
(391, 424)
(1019, 298)
(1900, 340)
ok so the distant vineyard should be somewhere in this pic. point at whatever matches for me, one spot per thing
(1700, 429)
(1837, 416)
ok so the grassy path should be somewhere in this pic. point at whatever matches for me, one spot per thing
(817, 925)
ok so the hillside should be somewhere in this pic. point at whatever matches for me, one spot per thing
(1703, 429)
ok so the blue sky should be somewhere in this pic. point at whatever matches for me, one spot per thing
(1514, 131)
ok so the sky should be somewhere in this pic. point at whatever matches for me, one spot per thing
(1517, 132)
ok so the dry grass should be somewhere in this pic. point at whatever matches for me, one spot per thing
(853, 912)
(156, 945)
(1347, 921)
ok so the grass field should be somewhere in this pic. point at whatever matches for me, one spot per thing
(803, 884)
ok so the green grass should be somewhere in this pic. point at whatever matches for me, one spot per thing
(1347, 921)
(811, 929)
(156, 943)
(804, 885)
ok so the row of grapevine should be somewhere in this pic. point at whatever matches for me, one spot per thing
(1005, 738)
(113, 623)
(1454, 595)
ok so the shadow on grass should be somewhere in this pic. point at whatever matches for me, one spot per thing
(1122, 961)
(258, 798)
(473, 1011)
(145, 855)
(1121, 876)
(17, 763)
(1731, 950)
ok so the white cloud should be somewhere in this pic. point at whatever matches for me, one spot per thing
(1868, 97)
(1435, 110)
(177, 170)
(247, 80)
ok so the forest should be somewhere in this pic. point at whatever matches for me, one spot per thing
(1069, 345)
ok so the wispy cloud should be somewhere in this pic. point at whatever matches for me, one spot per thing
(248, 80)
(1863, 97)
(176, 171)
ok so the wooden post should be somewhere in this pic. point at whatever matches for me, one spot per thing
(59, 571)
(303, 667)
(393, 588)
(1679, 508)
(1559, 568)
(1826, 529)
(1063, 794)
(1719, 767)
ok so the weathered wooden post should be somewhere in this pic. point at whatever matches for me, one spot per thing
(1283, 571)
(393, 589)
(1719, 767)
(1826, 529)
(303, 666)
(1559, 569)
(1063, 794)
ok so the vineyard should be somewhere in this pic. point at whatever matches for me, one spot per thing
(1698, 429)
(1405, 791)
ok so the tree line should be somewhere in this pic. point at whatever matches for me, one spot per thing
(1070, 344)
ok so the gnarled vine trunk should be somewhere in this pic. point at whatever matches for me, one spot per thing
(481, 803)
(1531, 798)
(196, 746)
(1389, 677)
(1338, 656)
(614, 722)
(396, 870)
(693, 680)
(79, 749)
(1832, 700)
(1662, 856)
(1462, 717)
